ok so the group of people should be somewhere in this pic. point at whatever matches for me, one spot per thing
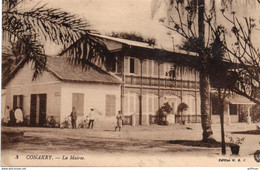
(90, 118)
(13, 116)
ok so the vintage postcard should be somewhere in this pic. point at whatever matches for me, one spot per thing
(130, 83)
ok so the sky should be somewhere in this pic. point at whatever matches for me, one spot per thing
(126, 15)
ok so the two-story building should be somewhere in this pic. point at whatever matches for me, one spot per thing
(137, 80)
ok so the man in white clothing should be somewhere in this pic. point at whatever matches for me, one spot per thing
(18, 115)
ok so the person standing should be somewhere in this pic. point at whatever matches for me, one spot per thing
(91, 118)
(12, 117)
(73, 116)
(119, 122)
(18, 113)
(7, 115)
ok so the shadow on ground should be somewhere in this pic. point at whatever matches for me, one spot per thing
(196, 143)
(249, 132)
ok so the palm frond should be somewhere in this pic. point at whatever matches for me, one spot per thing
(60, 27)
(53, 24)
(88, 48)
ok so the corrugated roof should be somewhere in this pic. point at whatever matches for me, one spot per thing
(66, 71)
(142, 44)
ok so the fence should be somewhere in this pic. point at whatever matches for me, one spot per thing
(187, 118)
(127, 120)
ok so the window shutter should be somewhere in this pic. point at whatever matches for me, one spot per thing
(155, 104)
(144, 67)
(162, 72)
(137, 104)
(126, 65)
(137, 66)
(150, 104)
(144, 104)
(155, 68)
(110, 105)
(150, 69)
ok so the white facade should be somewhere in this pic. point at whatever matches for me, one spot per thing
(59, 95)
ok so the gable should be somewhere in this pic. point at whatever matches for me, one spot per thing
(25, 74)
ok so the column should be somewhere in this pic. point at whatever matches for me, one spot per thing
(248, 115)
(228, 114)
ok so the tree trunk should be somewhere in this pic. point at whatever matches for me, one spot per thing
(204, 79)
(221, 114)
(205, 109)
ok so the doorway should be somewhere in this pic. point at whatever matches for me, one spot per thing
(38, 109)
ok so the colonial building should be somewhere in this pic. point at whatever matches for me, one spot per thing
(137, 80)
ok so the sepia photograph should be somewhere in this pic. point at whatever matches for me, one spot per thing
(130, 83)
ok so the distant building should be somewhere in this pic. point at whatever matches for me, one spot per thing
(138, 80)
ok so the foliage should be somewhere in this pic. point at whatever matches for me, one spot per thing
(237, 65)
(255, 113)
(162, 114)
(182, 107)
(166, 108)
(25, 30)
(235, 140)
(133, 36)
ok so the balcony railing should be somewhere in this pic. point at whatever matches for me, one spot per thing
(163, 82)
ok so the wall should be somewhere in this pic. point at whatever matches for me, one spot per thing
(22, 84)
(227, 118)
(3, 108)
(94, 97)
(150, 68)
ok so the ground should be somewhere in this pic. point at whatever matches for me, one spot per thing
(141, 141)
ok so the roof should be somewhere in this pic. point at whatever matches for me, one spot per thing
(234, 98)
(237, 99)
(66, 71)
(142, 44)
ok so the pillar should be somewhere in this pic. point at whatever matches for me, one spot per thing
(248, 115)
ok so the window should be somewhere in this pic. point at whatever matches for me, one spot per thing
(132, 65)
(111, 64)
(110, 105)
(18, 101)
(215, 107)
(169, 70)
(233, 109)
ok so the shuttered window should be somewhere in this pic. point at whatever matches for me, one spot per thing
(144, 103)
(119, 65)
(155, 104)
(137, 103)
(155, 68)
(144, 67)
(78, 103)
(137, 66)
(233, 109)
(150, 104)
(18, 101)
(132, 65)
(150, 67)
(110, 105)
(126, 65)
(162, 72)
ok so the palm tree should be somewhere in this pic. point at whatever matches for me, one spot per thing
(23, 33)
(204, 77)
(196, 39)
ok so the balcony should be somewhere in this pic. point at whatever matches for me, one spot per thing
(162, 82)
